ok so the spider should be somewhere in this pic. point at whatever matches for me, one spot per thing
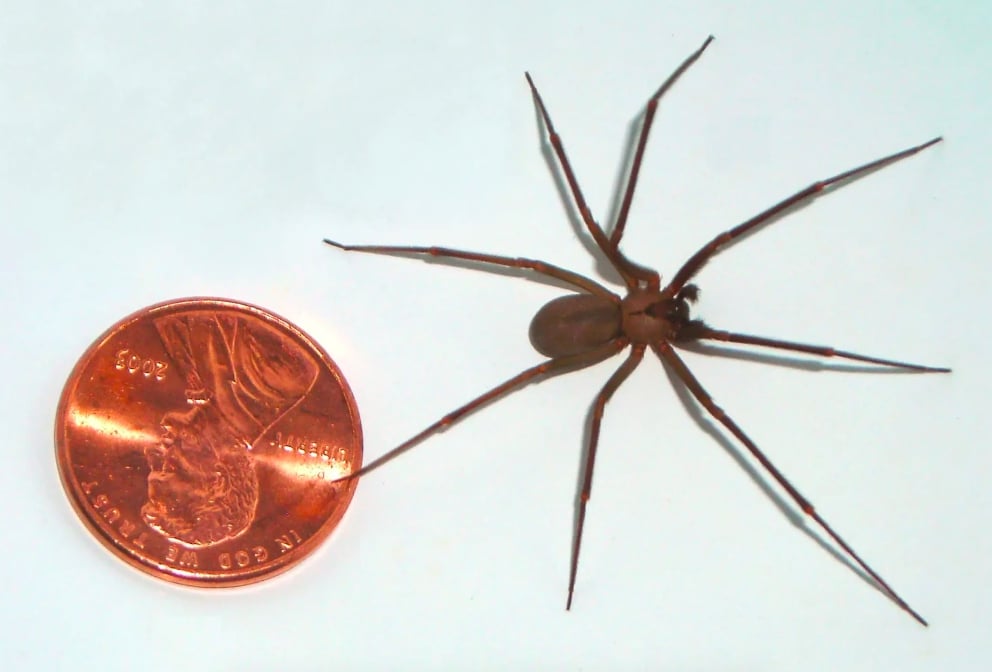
(593, 324)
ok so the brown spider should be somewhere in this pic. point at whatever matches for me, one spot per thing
(581, 329)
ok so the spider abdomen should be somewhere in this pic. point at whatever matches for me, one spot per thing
(574, 323)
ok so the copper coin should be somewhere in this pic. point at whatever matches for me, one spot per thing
(198, 440)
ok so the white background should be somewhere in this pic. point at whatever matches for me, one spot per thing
(150, 153)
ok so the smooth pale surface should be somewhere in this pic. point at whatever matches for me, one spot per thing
(149, 153)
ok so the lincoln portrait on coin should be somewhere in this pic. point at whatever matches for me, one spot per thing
(241, 377)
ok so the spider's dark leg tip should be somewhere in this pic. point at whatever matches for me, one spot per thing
(928, 369)
(332, 243)
(932, 369)
(347, 477)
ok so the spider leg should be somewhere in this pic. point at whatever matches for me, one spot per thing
(546, 368)
(635, 166)
(628, 270)
(542, 267)
(696, 261)
(671, 358)
(620, 375)
(697, 330)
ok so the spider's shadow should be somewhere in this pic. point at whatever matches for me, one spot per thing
(604, 267)
(606, 270)
(472, 265)
(792, 362)
(705, 423)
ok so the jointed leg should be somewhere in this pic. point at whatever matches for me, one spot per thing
(669, 356)
(620, 375)
(696, 261)
(545, 368)
(635, 167)
(627, 269)
(541, 267)
(699, 331)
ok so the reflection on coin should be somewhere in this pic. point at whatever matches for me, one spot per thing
(198, 440)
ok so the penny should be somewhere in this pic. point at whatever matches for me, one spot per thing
(199, 439)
